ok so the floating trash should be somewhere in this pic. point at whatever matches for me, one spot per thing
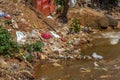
(96, 56)
(114, 41)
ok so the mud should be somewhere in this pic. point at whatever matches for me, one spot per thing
(107, 69)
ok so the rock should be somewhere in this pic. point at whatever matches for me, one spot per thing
(102, 23)
(14, 24)
(43, 57)
(3, 63)
(112, 21)
(14, 67)
(94, 19)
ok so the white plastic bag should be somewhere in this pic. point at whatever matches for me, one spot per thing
(50, 17)
(114, 41)
(34, 33)
(72, 3)
(54, 34)
(96, 56)
(20, 37)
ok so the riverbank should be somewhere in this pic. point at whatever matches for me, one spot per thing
(63, 42)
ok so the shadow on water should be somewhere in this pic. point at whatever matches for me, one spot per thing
(85, 69)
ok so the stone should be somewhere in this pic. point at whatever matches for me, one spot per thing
(3, 63)
(112, 21)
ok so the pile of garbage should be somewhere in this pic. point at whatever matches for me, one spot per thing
(64, 41)
(64, 45)
(59, 44)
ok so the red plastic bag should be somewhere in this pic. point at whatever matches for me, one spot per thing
(47, 7)
(46, 36)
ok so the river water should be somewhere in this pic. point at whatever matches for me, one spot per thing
(105, 44)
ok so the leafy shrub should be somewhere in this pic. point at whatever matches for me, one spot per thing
(8, 22)
(7, 45)
(75, 26)
(37, 46)
(34, 47)
(60, 4)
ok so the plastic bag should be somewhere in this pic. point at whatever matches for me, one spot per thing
(72, 3)
(54, 34)
(96, 56)
(114, 41)
(20, 37)
(34, 33)
(46, 36)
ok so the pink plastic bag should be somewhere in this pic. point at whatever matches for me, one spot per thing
(46, 36)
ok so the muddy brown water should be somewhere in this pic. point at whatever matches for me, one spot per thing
(106, 69)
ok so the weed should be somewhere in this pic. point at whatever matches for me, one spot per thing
(7, 45)
(60, 4)
(34, 47)
(8, 22)
(75, 26)
(30, 48)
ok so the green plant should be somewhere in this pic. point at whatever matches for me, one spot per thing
(75, 26)
(1, 26)
(8, 22)
(60, 4)
(37, 46)
(7, 45)
(29, 57)
(34, 47)
(28, 48)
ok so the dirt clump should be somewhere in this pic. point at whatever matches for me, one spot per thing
(92, 18)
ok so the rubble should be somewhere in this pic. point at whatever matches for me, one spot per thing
(3, 63)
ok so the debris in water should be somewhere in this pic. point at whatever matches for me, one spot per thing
(105, 69)
(96, 64)
(87, 57)
(114, 41)
(57, 65)
(105, 76)
(85, 70)
(96, 56)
